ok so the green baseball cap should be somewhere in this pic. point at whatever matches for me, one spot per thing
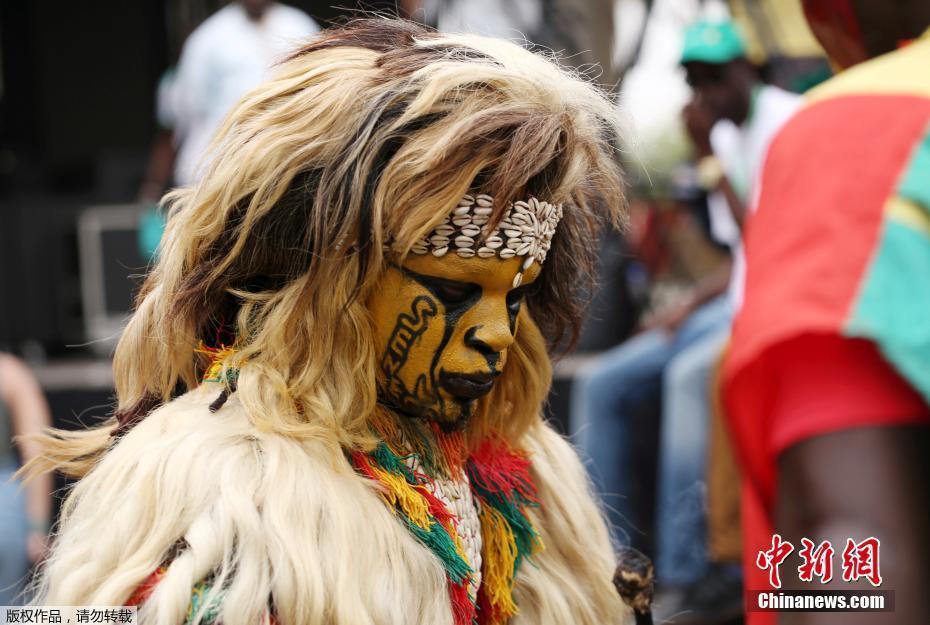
(712, 42)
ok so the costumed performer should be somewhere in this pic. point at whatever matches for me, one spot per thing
(330, 392)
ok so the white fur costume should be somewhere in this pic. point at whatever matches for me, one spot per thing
(293, 521)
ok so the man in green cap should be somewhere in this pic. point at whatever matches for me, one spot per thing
(733, 115)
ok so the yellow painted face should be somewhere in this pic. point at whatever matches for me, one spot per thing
(443, 327)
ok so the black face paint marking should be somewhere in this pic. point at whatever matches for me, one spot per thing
(457, 298)
(514, 302)
(407, 330)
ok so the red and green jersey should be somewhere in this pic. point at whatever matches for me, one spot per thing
(839, 246)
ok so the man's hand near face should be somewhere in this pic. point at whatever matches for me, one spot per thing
(699, 121)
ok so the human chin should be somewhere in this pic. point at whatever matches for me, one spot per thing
(451, 413)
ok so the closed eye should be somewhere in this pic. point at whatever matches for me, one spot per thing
(452, 292)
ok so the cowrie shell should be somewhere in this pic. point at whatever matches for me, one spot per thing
(517, 280)
(439, 252)
(514, 243)
(461, 220)
(507, 253)
(527, 263)
(465, 252)
(494, 242)
(461, 210)
(439, 240)
(471, 231)
(486, 252)
(464, 241)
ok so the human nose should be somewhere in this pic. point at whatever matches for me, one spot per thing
(492, 336)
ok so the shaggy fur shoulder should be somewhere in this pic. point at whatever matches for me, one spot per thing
(271, 518)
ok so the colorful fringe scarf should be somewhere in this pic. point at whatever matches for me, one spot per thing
(500, 481)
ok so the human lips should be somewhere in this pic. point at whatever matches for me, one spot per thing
(467, 385)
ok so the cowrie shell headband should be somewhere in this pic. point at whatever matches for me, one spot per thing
(525, 230)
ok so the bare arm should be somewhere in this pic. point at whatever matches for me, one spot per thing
(30, 415)
(713, 284)
(855, 484)
(737, 208)
(710, 286)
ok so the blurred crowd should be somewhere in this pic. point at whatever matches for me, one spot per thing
(708, 86)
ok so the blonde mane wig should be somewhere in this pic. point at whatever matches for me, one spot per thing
(366, 136)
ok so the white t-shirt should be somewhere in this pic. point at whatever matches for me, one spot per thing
(507, 19)
(741, 151)
(225, 57)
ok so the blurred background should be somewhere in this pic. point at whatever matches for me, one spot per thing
(102, 105)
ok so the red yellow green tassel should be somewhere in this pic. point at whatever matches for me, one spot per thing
(425, 516)
(501, 480)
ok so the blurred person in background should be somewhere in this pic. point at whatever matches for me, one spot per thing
(580, 32)
(827, 382)
(223, 58)
(25, 513)
(731, 119)
(226, 56)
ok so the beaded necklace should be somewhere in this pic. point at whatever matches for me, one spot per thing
(502, 489)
